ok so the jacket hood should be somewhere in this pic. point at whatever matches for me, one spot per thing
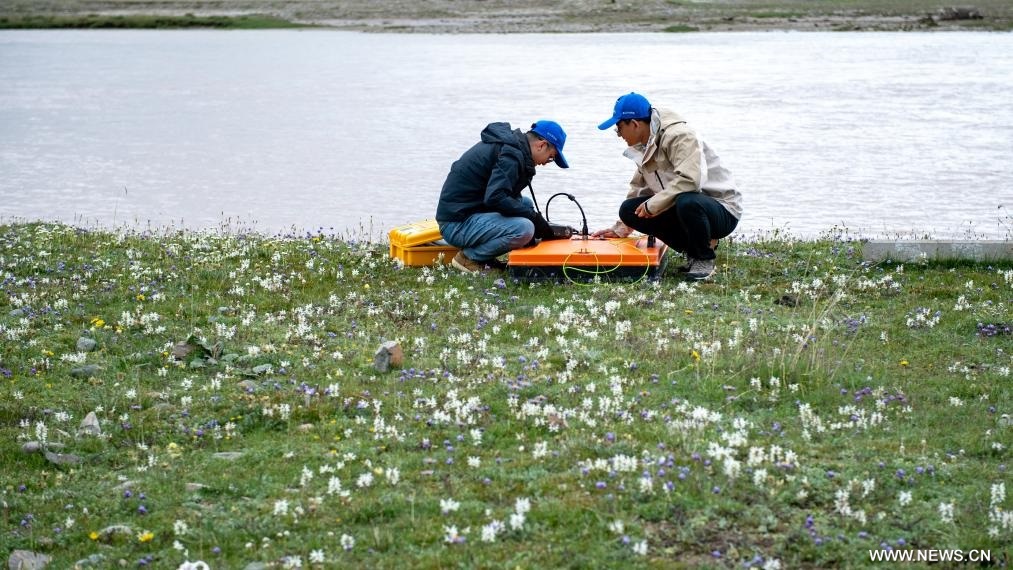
(502, 133)
(661, 119)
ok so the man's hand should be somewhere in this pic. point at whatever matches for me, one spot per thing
(643, 212)
(618, 230)
(542, 228)
(606, 233)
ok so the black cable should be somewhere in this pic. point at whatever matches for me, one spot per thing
(536, 201)
(584, 230)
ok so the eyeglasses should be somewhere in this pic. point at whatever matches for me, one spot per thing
(619, 129)
(552, 152)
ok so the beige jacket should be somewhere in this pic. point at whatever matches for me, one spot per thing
(675, 161)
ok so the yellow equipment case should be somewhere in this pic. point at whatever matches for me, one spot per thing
(420, 243)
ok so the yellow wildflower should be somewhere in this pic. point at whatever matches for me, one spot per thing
(93, 535)
(146, 536)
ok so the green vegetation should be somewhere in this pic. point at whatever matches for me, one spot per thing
(201, 396)
(530, 15)
(680, 28)
(251, 22)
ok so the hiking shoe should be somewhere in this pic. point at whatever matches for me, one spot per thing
(685, 267)
(467, 264)
(701, 269)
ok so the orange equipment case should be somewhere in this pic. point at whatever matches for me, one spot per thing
(420, 243)
(577, 259)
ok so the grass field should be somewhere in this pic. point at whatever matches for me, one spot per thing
(215, 396)
(519, 15)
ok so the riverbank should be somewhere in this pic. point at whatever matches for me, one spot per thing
(502, 16)
(231, 398)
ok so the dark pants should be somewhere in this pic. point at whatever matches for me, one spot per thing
(688, 226)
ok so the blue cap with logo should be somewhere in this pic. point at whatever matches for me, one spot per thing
(552, 132)
(629, 106)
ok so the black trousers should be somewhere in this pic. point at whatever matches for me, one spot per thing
(688, 226)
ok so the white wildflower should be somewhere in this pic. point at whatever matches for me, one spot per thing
(281, 507)
(946, 512)
(904, 498)
(448, 505)
(640, 548)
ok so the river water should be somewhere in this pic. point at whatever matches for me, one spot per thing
(885, 134)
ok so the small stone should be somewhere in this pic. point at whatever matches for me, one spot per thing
(230, 357)
(389, 354)
(262, 369)
(85, 344)
(197, 363)
(228, 455)
(181, 350)
(27, 560)
(31, 447)
(62, 458)
(195, 487)
(305, 428)
(93, 560)
(248, 386)
(89, 425)
(86, 371)
(112, 532)
(18, 312)
(255, 566)
(38, 446)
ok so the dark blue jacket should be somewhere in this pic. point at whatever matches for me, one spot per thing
(489, 177)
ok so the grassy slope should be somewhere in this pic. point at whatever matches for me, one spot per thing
(647, 398)
(530, 15)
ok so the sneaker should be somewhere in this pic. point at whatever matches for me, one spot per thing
(467, 264)
(685, 267)
(701, 269)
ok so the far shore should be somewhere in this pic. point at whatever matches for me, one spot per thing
(522, 16)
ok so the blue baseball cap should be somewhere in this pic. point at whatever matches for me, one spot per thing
(552, 132)
(629, 106)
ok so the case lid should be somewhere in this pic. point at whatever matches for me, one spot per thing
(415, 233)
